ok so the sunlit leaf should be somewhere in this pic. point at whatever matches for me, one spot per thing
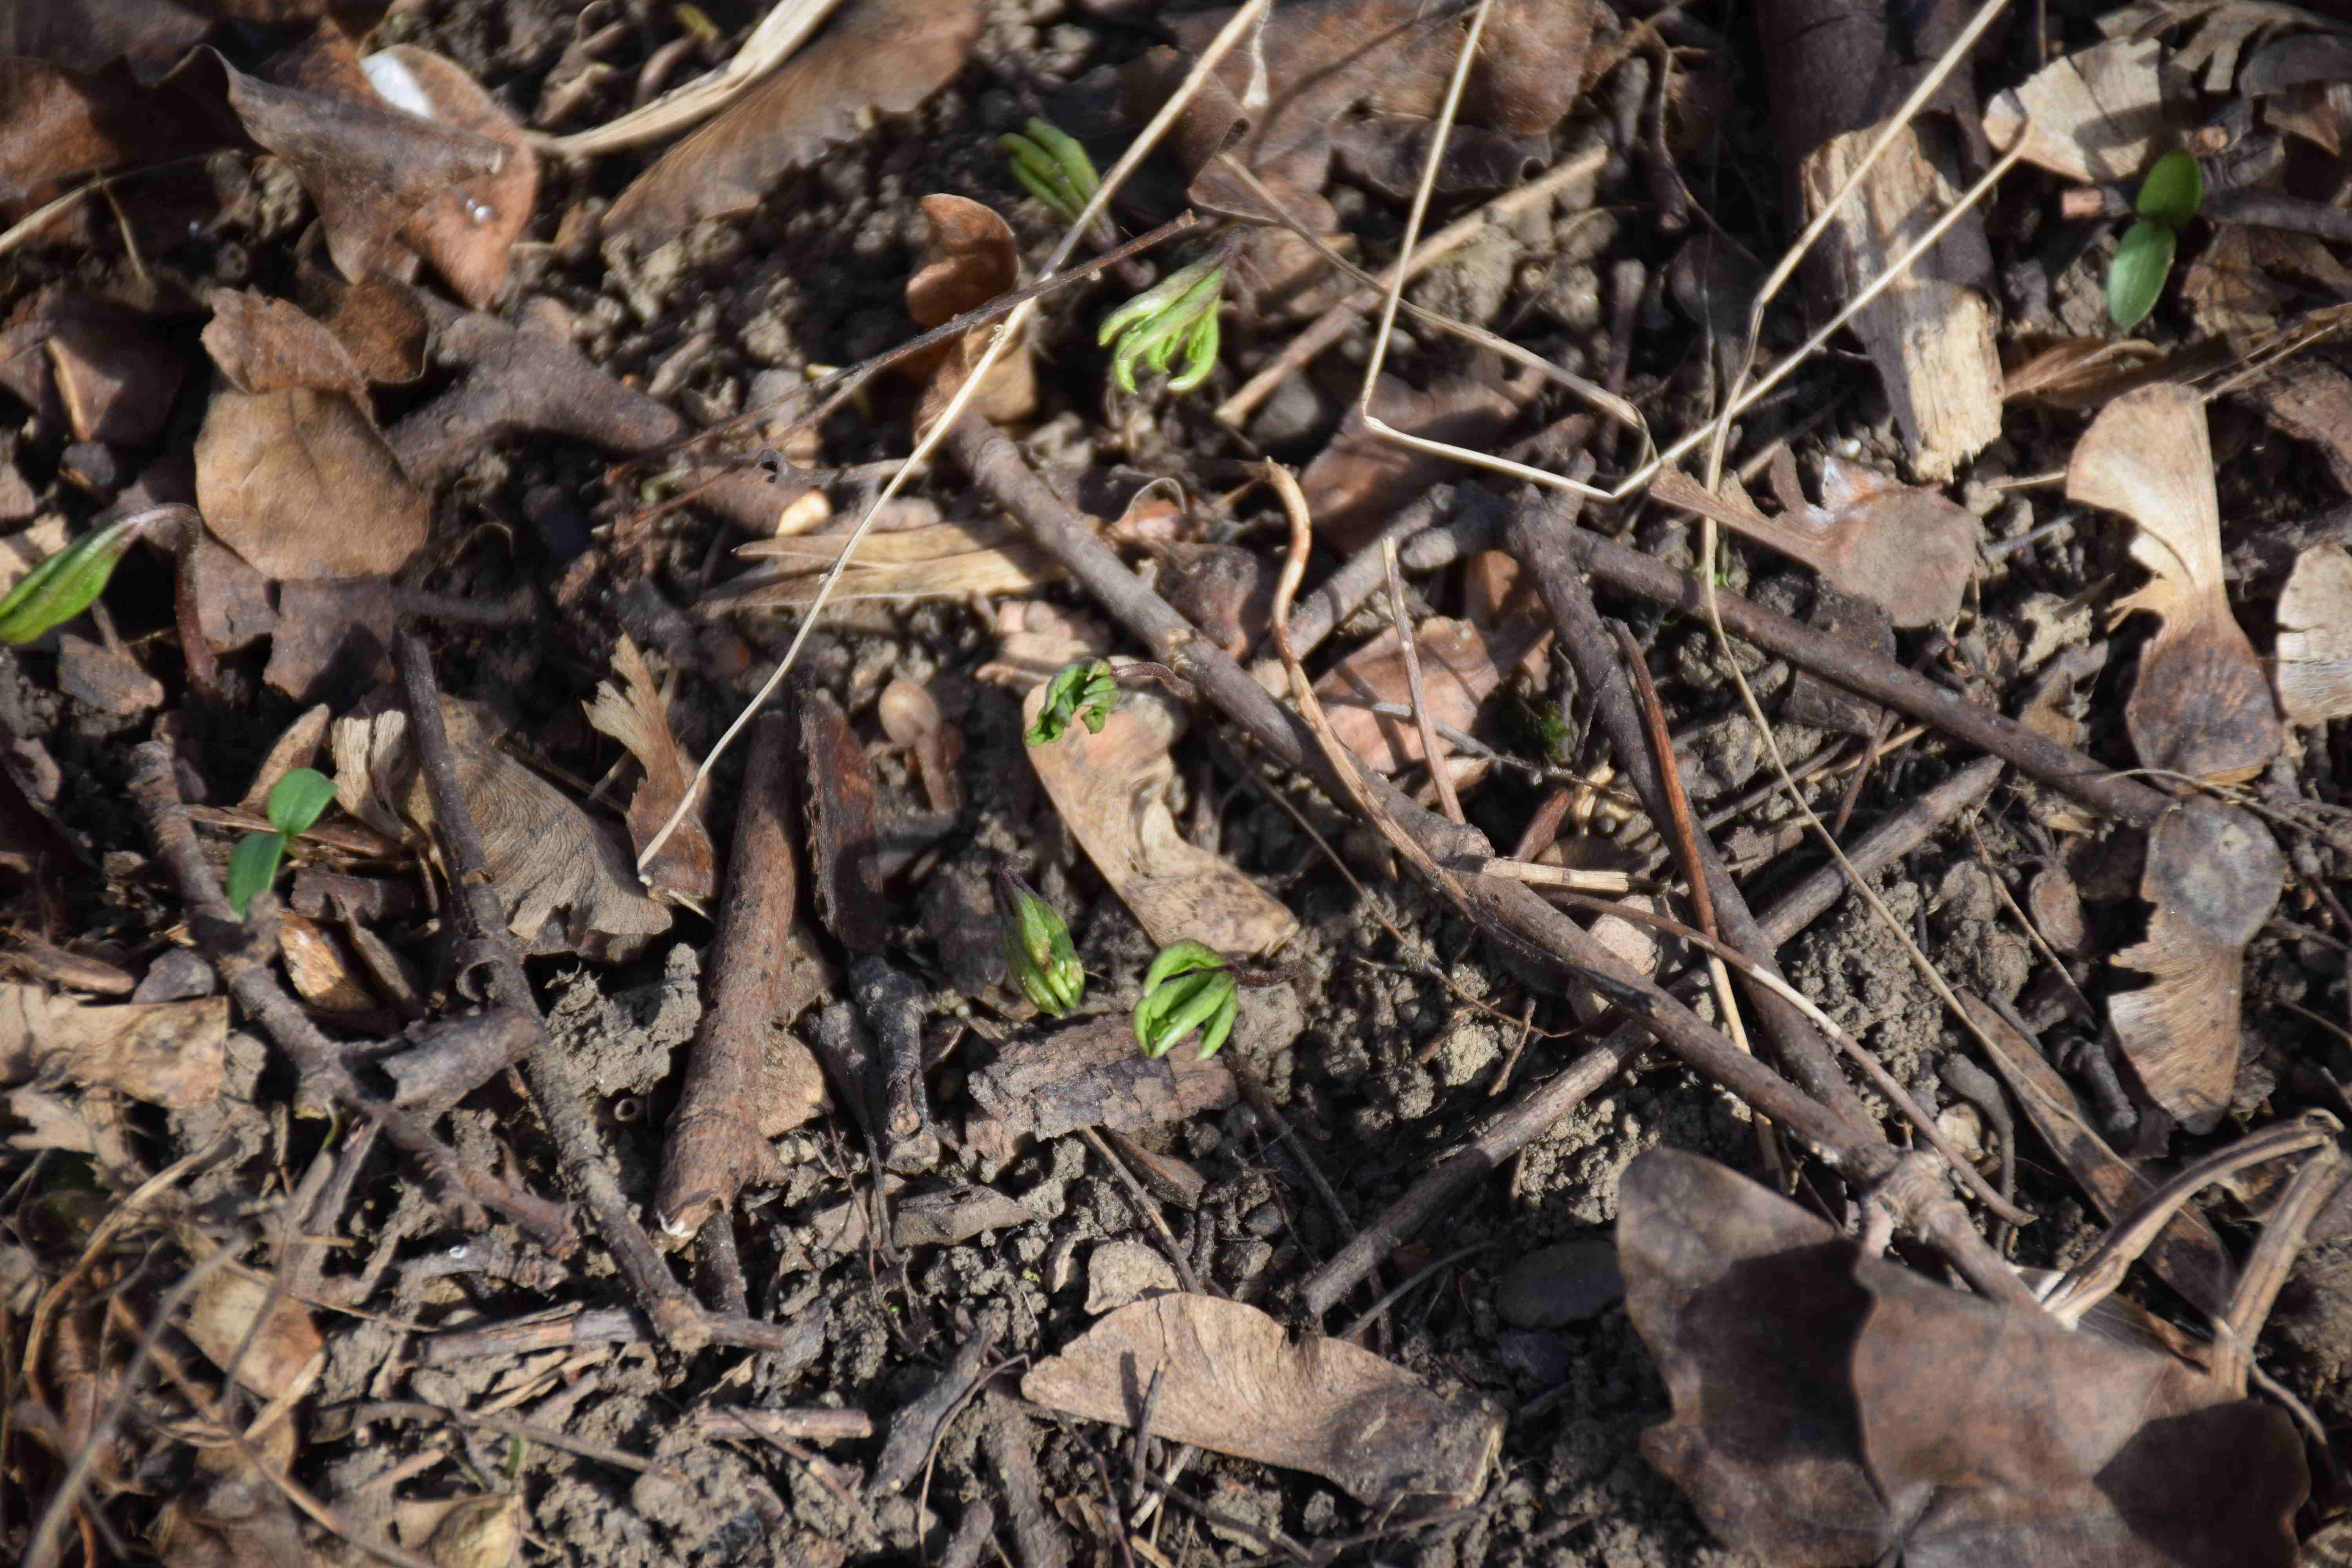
(296, 800)
(67, 584)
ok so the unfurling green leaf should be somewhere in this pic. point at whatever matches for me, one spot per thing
(2136, 274)
(1085, 690)
(297, 800)
(1175, 319)
(253, 865)
(2173, 190)
(1038, 953)
(1188, 987)
(65, 584)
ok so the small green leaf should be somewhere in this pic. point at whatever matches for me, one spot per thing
(252, 867)
(2136, 274)
(64, 585)
(1189, 987)
(297, 800)
(1085, 690)
(2173, 190)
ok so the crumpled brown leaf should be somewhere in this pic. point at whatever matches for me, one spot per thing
(2314, 637)
(291, 473)
(1831, 1407)
(170, 1053)
(2213, 876)
(466, 231)
(1111, 789)
(974, 258)
(565, 880)
(2091, 116)
(882, 57)
(635, 712)
(2200, 704)
(1232, 1381)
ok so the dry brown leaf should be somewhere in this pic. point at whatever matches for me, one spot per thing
(945, 560)
(2095, 116)
(233, 1311)
(2199, 705)
(974, 258)
(1360, 478)
(1111, 789)
(2314, 637)
(2213, 875)
(565, 880)
(1833, 1408)
(466, 231)
(62, 123)
(291, 473)
(876, 57)
(170, 1053)
(1223, 589)
(321, 971)
(1232, 1381)
(479, 1532)
(296, 747)
(382, 324)
(636, 713)
(1910, 551)
(332, 638)
(1461, 666)
(114, 376)
(2080, 373)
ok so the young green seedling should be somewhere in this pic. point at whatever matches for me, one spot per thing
(2168, 198)
(1038, 953)
(68, 583)
(1173, 322)
(1189, 986)
(1085, 690)
(1053, 167)
(295, 802)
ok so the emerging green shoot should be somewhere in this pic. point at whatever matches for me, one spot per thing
(295, 802)
(67, 584)
(1052, 167)
(1085, 690)
(1174, 321)
(1038, 953)
(1189, 986)
(2168, 197)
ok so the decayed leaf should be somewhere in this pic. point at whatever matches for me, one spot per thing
(1111, 790)
(2213, 876)
(1910, 551)
(1461, 666)
(565, 880)
(2200, 705)
(2095, 116)
(2314, 637)
(291, 473)
(882, 57)
(974, 258)
(1358, 481)
(222, 1318)
(170, 1053)
(1232, 1381)
(635, 713)
(332, 638)
(467, 230)
(1831, 1407)
(383, 325)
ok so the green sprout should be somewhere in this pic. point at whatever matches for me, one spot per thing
(2168, 198)
(1174, 320)
(1085, 690)
(1189, 986)
(1051, 166)
(1037, 949)
(295, 802)
(68, 583)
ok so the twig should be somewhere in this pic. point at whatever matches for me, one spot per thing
(1371, 1315)
(1339, 596)
(361, 1414)
(1439, 775)
(799, 1340)
(914, 1428)
(244, 966)
(487, 945)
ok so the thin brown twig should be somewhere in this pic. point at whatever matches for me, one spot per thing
(1440, 775)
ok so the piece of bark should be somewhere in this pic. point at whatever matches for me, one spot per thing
(2213, 875)
(844, 820)
(106, 678)
(916, 1425)
(443, 1063)
(1164, 1177)
(744, 1073)
(892, 1005)
(924, 1219)
(2314, 670)
(1089, 1074)
(2094, 116)
(1012, 1453)
(1232, 1381)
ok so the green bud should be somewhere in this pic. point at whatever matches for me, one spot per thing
(1175, 317)
(1188, 987)
(1085, 690)
(65, 584)
(1037, 949)
(1052, 166)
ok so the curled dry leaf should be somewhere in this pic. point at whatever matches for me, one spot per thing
(170, 1053)
(466, 231)
(1831, 1407)
(321, 971)
(2213, 876)
(974, 258)
(233, 1314)
(565, 880)
(2095, 116)
(291, 473)
(1233, 1381)
(2314, 637)
(1461, 666)
(876, 57)
(1035, 639)
(635, 712)
(1111, 789)
(1910, 551)
(2200, 705)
